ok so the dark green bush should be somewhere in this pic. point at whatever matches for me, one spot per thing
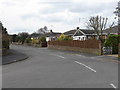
(17, 39)
(23, 36)
(112, 41)
(28, 40)
(5, 44)
(42, 39)
(13, 37)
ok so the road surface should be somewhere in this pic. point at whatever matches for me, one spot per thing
(46, 68)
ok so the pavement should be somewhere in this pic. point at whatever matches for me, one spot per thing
(47, 68)
(113, 58)
(13, 56)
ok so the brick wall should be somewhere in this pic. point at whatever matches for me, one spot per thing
(87, 46)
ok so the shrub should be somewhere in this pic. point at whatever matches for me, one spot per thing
(17, 39)
(28, 40)
(5, 44)
(13, 39)
(23, 36)
(35, 41)
(112, 41)
(42, 39)
(64, 37)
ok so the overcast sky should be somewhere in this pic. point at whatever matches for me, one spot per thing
(60, 15)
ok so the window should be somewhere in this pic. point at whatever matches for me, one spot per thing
(83, 38)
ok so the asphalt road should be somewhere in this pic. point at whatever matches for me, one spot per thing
(47, 68)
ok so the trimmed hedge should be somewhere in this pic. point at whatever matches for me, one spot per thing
(113, 41)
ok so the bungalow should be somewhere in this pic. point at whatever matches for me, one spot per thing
(81, 34)
(51, 36)
(84, 34)
(35, 35)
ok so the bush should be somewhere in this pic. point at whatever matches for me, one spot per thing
(23, 36)
(64, 37)
(35, 41)
(28, 40)
(17, 39)
(42, 39)
(112, 41)
(5, 44)
(13, 39)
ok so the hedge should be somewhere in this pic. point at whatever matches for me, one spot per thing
(113, 41)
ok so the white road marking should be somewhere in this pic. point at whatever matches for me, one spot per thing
(57, 55)
(60, 56)
(86, 66)
(80, 55)
(113, 85)
(42, 52)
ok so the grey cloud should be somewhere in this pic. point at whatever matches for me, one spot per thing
(9, 4)
(28, 16)
(77, 7)
(50, 19)
(42, 18)
(91, 8)
(57, 7)
(21, 29)
(83, 9)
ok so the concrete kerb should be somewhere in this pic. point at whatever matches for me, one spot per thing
(15, 61)
(14, 57)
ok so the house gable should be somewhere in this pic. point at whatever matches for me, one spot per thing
(78, 33)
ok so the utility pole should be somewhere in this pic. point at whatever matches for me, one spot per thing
(117, 12)
(119, 18)
(119, 29)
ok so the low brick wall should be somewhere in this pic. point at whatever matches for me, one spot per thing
(88, 46)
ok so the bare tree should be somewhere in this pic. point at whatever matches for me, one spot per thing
(98, 24)
(42, 30)
(110, 28)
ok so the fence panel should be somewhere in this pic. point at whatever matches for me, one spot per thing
(76, 43)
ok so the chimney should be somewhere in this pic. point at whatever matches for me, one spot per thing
(51, 31)
(77, 28)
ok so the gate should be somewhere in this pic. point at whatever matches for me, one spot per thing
(107, 50)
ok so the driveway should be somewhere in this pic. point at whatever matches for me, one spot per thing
(46, 68)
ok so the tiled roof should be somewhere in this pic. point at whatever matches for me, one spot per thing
(51, 34)
(85, 31)
(113, 30)
(71, 32)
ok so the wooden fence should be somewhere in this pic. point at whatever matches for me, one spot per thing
(76, 43)
(87, 46)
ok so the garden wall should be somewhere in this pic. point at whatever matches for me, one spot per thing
(87, 46)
